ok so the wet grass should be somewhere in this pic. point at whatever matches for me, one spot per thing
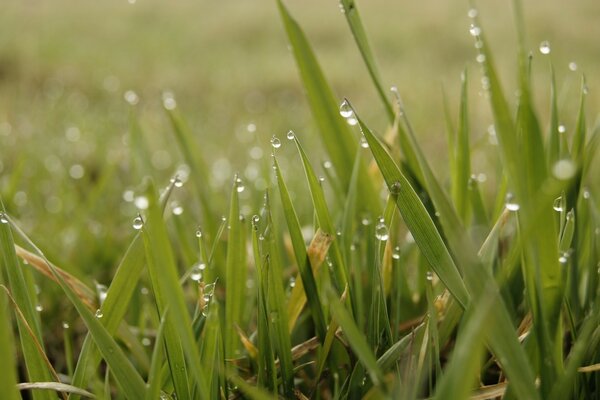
(371, 275)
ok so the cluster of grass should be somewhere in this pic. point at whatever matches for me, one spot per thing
(399, 286)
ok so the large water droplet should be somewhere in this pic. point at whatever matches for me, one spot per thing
(558, 206)
(474, 30)
(545, 47)
(290, 135)
(239, 185)
(562, 128)
(196, 273)
(3, 218)
(138, 223)
(99, 314)
(395, 188)
(131, 97)
(275, 142)
(345, 109)
(564, 169)
(363, 142)
(511, 204)
(176, 181)
(381, 231)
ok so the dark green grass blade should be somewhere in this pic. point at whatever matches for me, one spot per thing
(154, 376)
(417, 220)
(356, 340)
(179, 338)
(462, 155)
(8, 377)
(335, 132)
(125, 375)
(235, 274)
(37, 371)
(358, 32)
(302, 259)
(323, 217)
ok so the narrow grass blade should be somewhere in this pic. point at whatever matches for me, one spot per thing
(37, 370)
(335, 133)
(55, 387)
(353, 18)
(578, 146)
(125, 374)
(462, 155)
(154, 376)
(179, 338)
(8, 377)
(356, 339)
(235, 273)
(211, 350)
(554, 139)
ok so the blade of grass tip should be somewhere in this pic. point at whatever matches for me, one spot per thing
(417, 220)
(352, 15)
(235, 272)
(179, 338)
(461, 371)
(276, 302)
(37, 370)
(154, 378)
(126, 376)
(199, 170)
(335, 133)
(62, 388)
(578, 146)
(117, 300)
(323, 217)
(356, 339)
(8, 377)
(305, 266)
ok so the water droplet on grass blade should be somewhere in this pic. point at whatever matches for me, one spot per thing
(239, 185)
(169, 102)
(429, 276)
(138, 223)
(196, 273)
(511, 204)
(558, 206)
(395, 188)
(545, 47)
(573, 66)
(39, 308)
(176, 181)
(345, 109)
(363, 142)
(562, 129)
(141, 202)
(381, 231)
(472, 13)
(131, 97)
(99, 314)
(290, 135)
(65, 325)
(474, 30)
(275, 142)
(564, 169)
(3, 218)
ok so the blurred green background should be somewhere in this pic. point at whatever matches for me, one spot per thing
(65, 66)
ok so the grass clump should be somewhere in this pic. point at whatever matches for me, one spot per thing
(401, 285)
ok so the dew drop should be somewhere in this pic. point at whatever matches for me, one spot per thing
(176, 208)
(346, 109)
(3, 218)
(39, 308)
(138, 222)
(564, 169)
(545, 47)
(199, 233)
(290, 135)
(141, 202)
(558, 204)
(169, 102)
(396, 253)
(474, 30)
(573, 66)
(586, 194)
(196, 273)
(562, 128)
(395, 188)
(292, 282)
(146, 342)
(363, 142)
(255, 219)
(99, 313)
(511, 204)
(429, 276)
(177, 182)
(564, 258)
(65, 325)
(472, 13)
(239, 185)
(381, 231)
(480, 58)
(275, 142)
(327, 164)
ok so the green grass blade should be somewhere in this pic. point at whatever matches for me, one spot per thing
(235, 273)
(211, 348)
(37, 370)
(554, 139)
(179, 338)
(335, 132)
(360, 37)
(8, 377)
(323, 216)
(462, 155)
(126, 376)
(356, 340)
(417, 220)
(304, 265)
(578, 146)
(154, 376)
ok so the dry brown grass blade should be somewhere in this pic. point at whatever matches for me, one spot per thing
(317, 251)
(84, 292)
(490, 392)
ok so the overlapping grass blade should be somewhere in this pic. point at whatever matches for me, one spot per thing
(154, 378)
(37, 370)
(462, 155)
(303, 261)
(123, 371)
(358, 32)
(8, 378)
(235, 273)
(179, 338)
(335, 133)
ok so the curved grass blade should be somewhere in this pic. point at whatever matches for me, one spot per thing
(56, 387)
(358, 32)
(335, 133)
(37, 370)
(126, 376)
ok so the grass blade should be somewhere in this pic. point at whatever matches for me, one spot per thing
(8, 378)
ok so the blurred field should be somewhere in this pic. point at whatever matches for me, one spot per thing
(64, 66)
